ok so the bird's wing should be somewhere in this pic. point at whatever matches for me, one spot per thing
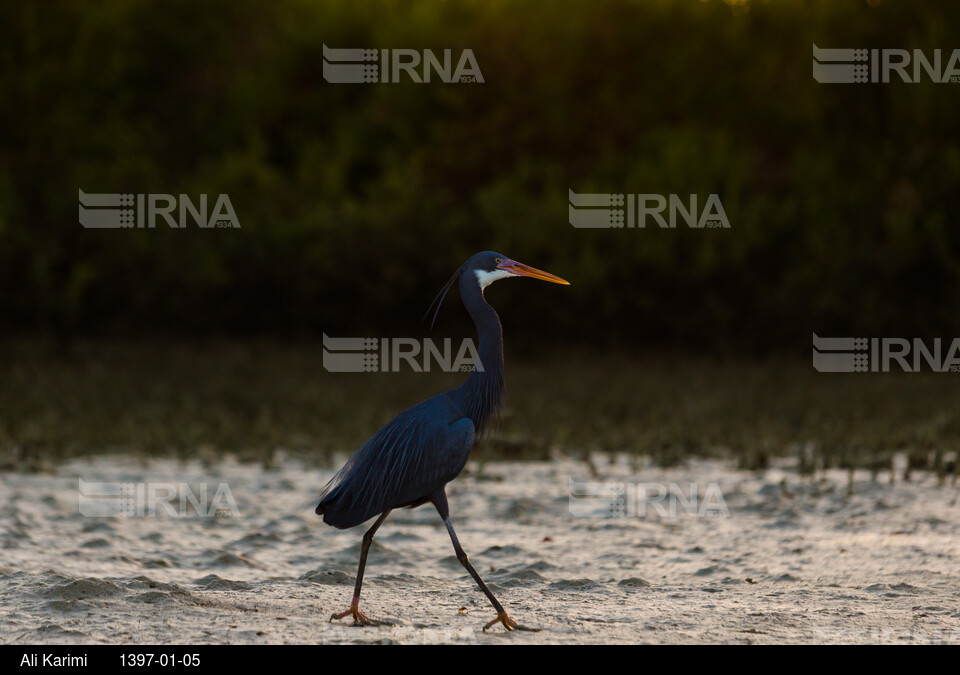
(416, 453)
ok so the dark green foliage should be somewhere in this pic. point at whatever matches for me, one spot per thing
(357, 202)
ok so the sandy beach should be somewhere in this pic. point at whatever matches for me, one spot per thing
(778, 558)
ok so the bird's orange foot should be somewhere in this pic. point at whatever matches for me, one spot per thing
(359, 618)
(509, 623)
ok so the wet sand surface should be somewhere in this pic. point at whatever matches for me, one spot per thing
(778, 558)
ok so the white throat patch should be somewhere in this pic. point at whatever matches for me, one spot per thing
(487, 278)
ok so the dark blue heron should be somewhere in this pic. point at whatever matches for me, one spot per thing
(410, 460)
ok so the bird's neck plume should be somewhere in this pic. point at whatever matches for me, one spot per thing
(441, 296)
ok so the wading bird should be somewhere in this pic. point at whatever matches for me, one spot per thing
(411, 459)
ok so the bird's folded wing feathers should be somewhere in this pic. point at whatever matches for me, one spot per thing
(416, 453)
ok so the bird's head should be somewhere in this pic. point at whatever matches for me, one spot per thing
(488, 267)
(485, 268)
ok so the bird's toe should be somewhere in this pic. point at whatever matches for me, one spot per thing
(362, 619)
(509, 624)
(359, 618)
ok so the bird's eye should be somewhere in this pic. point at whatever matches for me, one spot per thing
(498, 261)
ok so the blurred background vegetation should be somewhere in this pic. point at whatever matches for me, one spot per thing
(356, 202)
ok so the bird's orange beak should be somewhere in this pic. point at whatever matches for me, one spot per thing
(521, 270)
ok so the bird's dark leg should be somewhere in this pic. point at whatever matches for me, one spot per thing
(440, 501)
(359, 619)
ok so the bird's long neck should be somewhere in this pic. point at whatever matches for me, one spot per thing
(481, 396)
